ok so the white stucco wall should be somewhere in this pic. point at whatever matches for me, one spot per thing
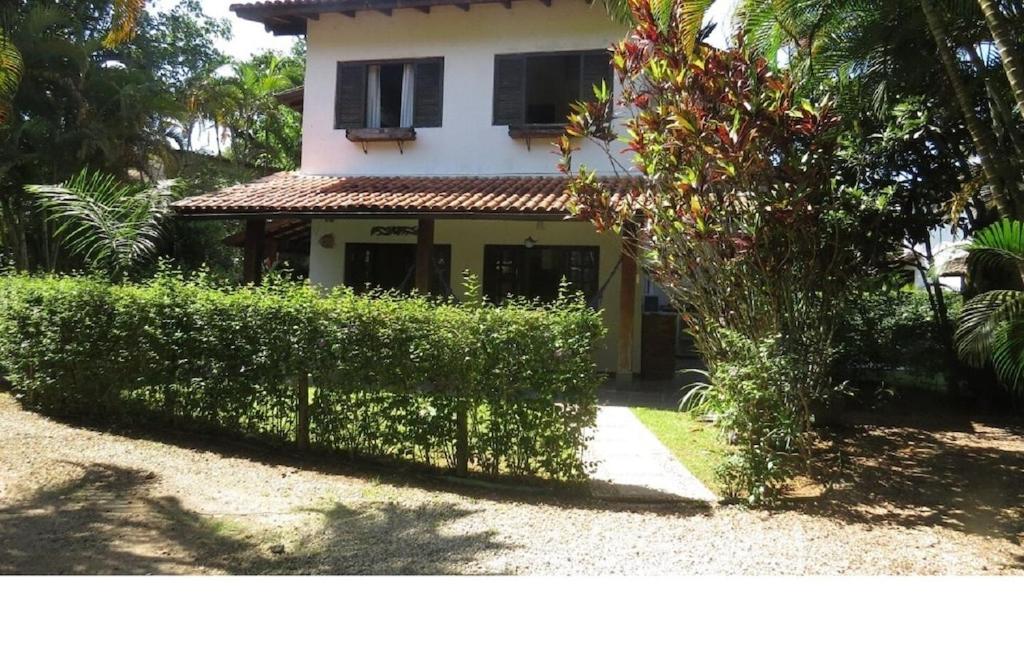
(466, 143)
(467, 239)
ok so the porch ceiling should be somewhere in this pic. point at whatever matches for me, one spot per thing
(295, 195)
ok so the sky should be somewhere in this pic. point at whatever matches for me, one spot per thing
(250, 37)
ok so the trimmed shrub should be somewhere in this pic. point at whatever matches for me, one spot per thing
(389, 376)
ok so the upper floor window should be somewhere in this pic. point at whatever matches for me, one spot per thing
(538, 88)
(389, 94)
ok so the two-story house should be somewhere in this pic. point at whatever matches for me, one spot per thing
(427, 130)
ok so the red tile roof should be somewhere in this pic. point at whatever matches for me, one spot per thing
(291, 193)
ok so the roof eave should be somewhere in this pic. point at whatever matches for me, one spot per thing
(292, 18)
(274, 214)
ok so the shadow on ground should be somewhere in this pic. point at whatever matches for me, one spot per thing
(926, 470)
(105, 520)
(400, 473)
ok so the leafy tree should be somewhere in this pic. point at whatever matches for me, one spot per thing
(991, 328)
(115, 227)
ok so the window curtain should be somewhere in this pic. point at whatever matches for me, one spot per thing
(408, 93)
(373, 96)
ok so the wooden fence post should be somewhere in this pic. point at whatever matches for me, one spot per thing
(461, 443)
(302, 414)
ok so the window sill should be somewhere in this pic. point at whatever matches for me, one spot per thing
(380, 134)
(536, 131)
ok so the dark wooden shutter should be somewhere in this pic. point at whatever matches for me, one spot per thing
(509, 90)
(597, 67)
(350, 97)
(428, 93)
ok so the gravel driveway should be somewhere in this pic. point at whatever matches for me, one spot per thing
(76, 500)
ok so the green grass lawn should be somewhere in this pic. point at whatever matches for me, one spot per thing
(693, 442)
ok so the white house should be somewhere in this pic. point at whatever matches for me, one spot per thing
(427, 153)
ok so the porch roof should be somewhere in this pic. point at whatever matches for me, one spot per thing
(295, 195)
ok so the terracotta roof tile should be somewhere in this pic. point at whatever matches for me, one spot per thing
(291, 193)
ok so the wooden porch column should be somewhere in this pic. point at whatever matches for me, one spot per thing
(424, 254)
(627, 309)
(255, 240)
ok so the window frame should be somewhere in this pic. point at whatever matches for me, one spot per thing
(581, 53)
(365, 64)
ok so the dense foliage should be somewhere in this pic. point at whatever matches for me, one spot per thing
(956, 56)
(737, 215)
(390, 376)
(890, 337)
(933, 96)
(71, 99)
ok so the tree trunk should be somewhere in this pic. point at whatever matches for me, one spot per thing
(933, 285)
(1002, 114)
(1004, 42)
(1003, 121)
(16, 236)
(984, 140)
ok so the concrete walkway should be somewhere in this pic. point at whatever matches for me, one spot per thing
(631, 464)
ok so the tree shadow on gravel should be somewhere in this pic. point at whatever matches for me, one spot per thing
(400, 473)
(926, 471)
(106, 521)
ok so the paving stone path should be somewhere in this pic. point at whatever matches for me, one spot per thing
(631, 464)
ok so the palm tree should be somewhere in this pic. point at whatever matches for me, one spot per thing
(113, 226)
(984, 139)
(991, 326)
(242, 104)
(1001, 34)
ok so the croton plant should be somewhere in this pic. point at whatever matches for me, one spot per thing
(733, 207)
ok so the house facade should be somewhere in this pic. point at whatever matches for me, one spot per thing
(427, 130)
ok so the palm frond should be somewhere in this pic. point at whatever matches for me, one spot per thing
(691, 15)
(1000, 245)
(696, 393)
(126, 18)
(11, 70)
(981, 318)
(1008, 354)
(111, 225)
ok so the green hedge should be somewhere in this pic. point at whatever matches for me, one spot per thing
(389, 376)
